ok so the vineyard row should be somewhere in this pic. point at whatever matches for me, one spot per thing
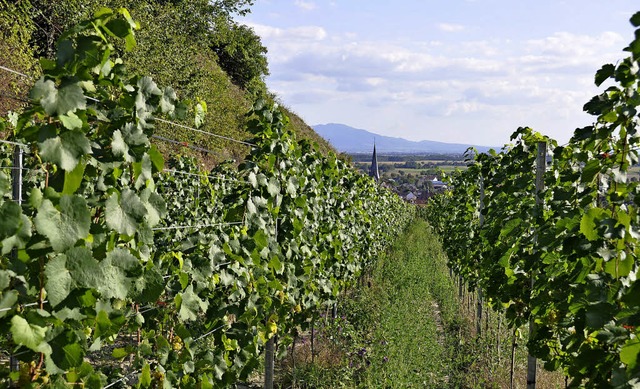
(116, 270)
(560, 256)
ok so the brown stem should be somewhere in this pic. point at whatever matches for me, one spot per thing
(96, 218)
(139, 334)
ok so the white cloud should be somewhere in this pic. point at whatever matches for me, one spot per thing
(492, 86)
(449, 27)
(282, 36)
(306, 5)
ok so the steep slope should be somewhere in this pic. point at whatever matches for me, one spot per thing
(174, 47)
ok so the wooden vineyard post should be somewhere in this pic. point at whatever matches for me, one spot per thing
(541, 166)
(313, 337)
(269, 359)
(480, 296)
(513, 359)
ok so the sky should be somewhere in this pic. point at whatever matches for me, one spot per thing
(460, 71)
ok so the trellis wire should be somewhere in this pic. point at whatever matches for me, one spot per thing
(162, 121)
(122, 379)
(184, 144)
(13, 143)
(209, 333)
(221, 178)
(205, 132)
(196, 226)
(13, 71)
(24, 306)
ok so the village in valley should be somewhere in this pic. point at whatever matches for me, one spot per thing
(413, 177)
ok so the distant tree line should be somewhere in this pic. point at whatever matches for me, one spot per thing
(364, 157)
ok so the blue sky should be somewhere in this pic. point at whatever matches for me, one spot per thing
(465, 71)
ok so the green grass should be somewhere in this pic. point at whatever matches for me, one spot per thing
(392, 330)
(416, 301)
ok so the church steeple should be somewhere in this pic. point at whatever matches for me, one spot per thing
(373, 172)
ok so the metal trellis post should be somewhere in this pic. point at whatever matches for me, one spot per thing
(16, 183)
(541, 166)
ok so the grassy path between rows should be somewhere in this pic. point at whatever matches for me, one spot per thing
(400, 328)
(405, 326)
(416, 305)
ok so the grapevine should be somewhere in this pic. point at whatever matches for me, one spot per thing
(121, 268)
(580, 246)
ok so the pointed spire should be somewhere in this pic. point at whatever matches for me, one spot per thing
(373, 172)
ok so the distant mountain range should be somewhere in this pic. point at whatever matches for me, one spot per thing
(353, 140)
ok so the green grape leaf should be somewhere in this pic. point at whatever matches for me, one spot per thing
(124, 212)
(142, 171)
(83, 268)
(191, 305)
(156, 158)
(167, 102)
(68, 356)
(120, 147)
(253, 181)
(71, 121)
(134, 135)
(597, 315)
(69, 314)
(5, 279)
(9, 298)
(276, 264)
(67, 98)
(292, 186)
(113, 282)
(155, 206)
(201, 113)
(103, 323)
(588, 225)
(604, 73)
(273, 187)
(65, 52)
(123, 259)
(64, 150)
(5, 184)
(590, 170)
(73, 179)
(261, 239)
(145, 376)
(20, 238)
(150, 286)
(66, 226)
(29, 335)
(629, 353)
(148, 87)
(59, 282)
(188, 367)
(10, 219)
(119, 353)
(118, 27)
(107, 276)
